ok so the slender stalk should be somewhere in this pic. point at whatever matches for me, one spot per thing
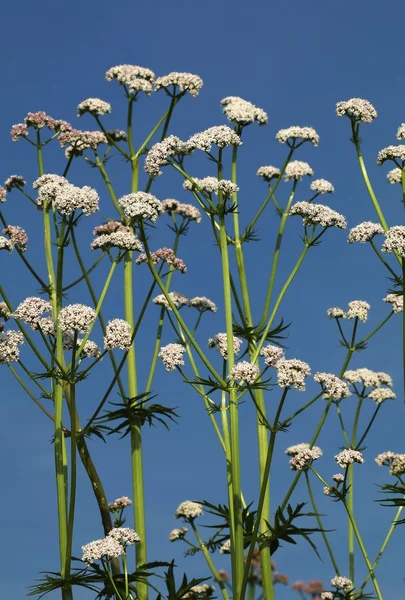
(110, 188)
(209, 562)
(28, 391)
(403, 318)
(319, 521)
(73, 463)
(82, 277)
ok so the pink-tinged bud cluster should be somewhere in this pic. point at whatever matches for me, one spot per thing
(186, 82)
(77, 317)
(165, 255)
(17, 236)
(348, 457)
(77, 141)
(18, 130)
(14, 181)
(9, 346)
(133, 77)
(161, 152)
(187, 211)
(3, 194)
(172, 356)
(119, 504)
(117, 335)
(94, 106)
(292, 373)
(220, 343)
(243, 112)
(38, 120)
(115, 235)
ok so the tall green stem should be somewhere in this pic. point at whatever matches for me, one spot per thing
(209, 562)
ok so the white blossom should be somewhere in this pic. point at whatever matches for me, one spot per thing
(243, 112)
(117, 335)
(395, 239)
(332, 386)
(296, 170)
(189, 510)
(211, 185)
(272, 354)
(305, 134)
(348, 457)
(77, 317)
(322, 186)
(364, 232)
(172, 356)
(31, 310)
(318, 214)
(357, 109)
(395, 176)
(397, 302)
(186, 82)
(292, 373)
(358, 309)
(219, 135)
(137, 79)
(94, 106)
(391, 153)
(268, 172)
(141, 205)
(244, 372)
(220, 343)
(160, 153)
(177, 534)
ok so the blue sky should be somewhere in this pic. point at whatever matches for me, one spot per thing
(295, 60)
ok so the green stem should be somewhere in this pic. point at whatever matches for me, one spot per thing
(82, 277)
(363, 437)
(209, 562)
(73, 463)
(384, 262)
(110, 188)
(319, 521)
(28, 391)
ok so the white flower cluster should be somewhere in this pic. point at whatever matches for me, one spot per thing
(336, 313)
(297, 448)
(177, 298)
(318, 214)
(18, 237)
(243, 112)
(14, 181)
(332, 386)
(358, 309)
(186, 82)
(379, 395)
(135, 78)
(401, 132)
(364, 232)
(272, 354)
(160, 153)
(226, 547)
(178, 534)
(111, 546)
(322, 186)
(172, 356)
(395, 175)
(357, 109)
(268, 172)
(395, 239)
(385, 458)
(342, 583)
(189, 510)
(3, 194)
(5, 313)
(220, 343)
(78, 317)
(125, 535)
(94, 106)
(244, 372)
(348, 457)
(305, 134)
(203, 304)
(141, 205)
(187, 211)
(368, 378)
(327, 596)
(211, 185)
(118, 135)
(219, 135)
(338, 477)
(31, 310)
(395, 461)
(199, 591)
(64, 196)
(292, 373)
(117, 335)
(296, 170)
(122, 238)
(119, 504)
(391, 153)
(6, 244)
(303, 459)
(397, 302)
(9, 346)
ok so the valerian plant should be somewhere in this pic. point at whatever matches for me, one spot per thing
(56, 333)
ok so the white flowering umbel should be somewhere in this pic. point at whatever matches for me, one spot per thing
(297, 448)
(65, 197)
(394, 153)
(397, 302)
(134, 78)
(272, 354)
(348, 457)
(161, 152)
(125, 535)
(296, 170)
(226, 547)
(395, 461)
(395, 239)
(211, 185)
(77, 317)
(242, 112)
(141, 205)
(342, 583)
(200, 591)
(336, 313)
(189, 510)
(318, 214)
(332, 386)
(14, 182)
(203, 304)
(9, 346)
(368, 378)
(119, 504)
(302, 460)
(219, 135)
(292, 373)
(178, 534)
(94, 106)
(358, 309)
(364, 232)
(172, 356)
(220, 343)
(322, 186)
(268, 172)
(117, 335)
(177, 298)
(357, 109)
(290, 136)
(31, 310)
(106, 548)
(244, 372)
(395, 176)
(187, 211)
(185, 82)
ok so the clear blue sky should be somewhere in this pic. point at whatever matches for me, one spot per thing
(295, 60)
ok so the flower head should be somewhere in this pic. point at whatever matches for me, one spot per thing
(161, 152)
(296, 170)
(31, 310)
(268, 173)
(342, 583)
(9, 346)
(305, 134)
(141, 205)
(106, 548)
(94, 106)
(119, 504)
(212, 185)
(125, 535)
(219, 135)
(226, 547)
(77, 141)
(244, 372)
(177, 298)
(358, 309)
(117, 135)
(18, 130)
(186, 82)
(177, 534)
(203, 304)
(5, 312)
(123, 238)
(17, 236)
(14, 181)
(357, 109)
(348, 457)
(117, 335)
(336, 313)
(395, 239)
(137, 79)
(297, 448)
(397, 302)
(165, 255)
(272, 354)
(243, 112)
(318, 214)
(65, 197)
(78, 317)
(292, 373)
(322, 186)
(368, 378)
(172, 356)
(303, 459)
(364, 232)
(188, 510)
(220, 343)
(395, 175)
(393, 153)
(332, 386)
(338, 477)
(187, 211)
(379, 395)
